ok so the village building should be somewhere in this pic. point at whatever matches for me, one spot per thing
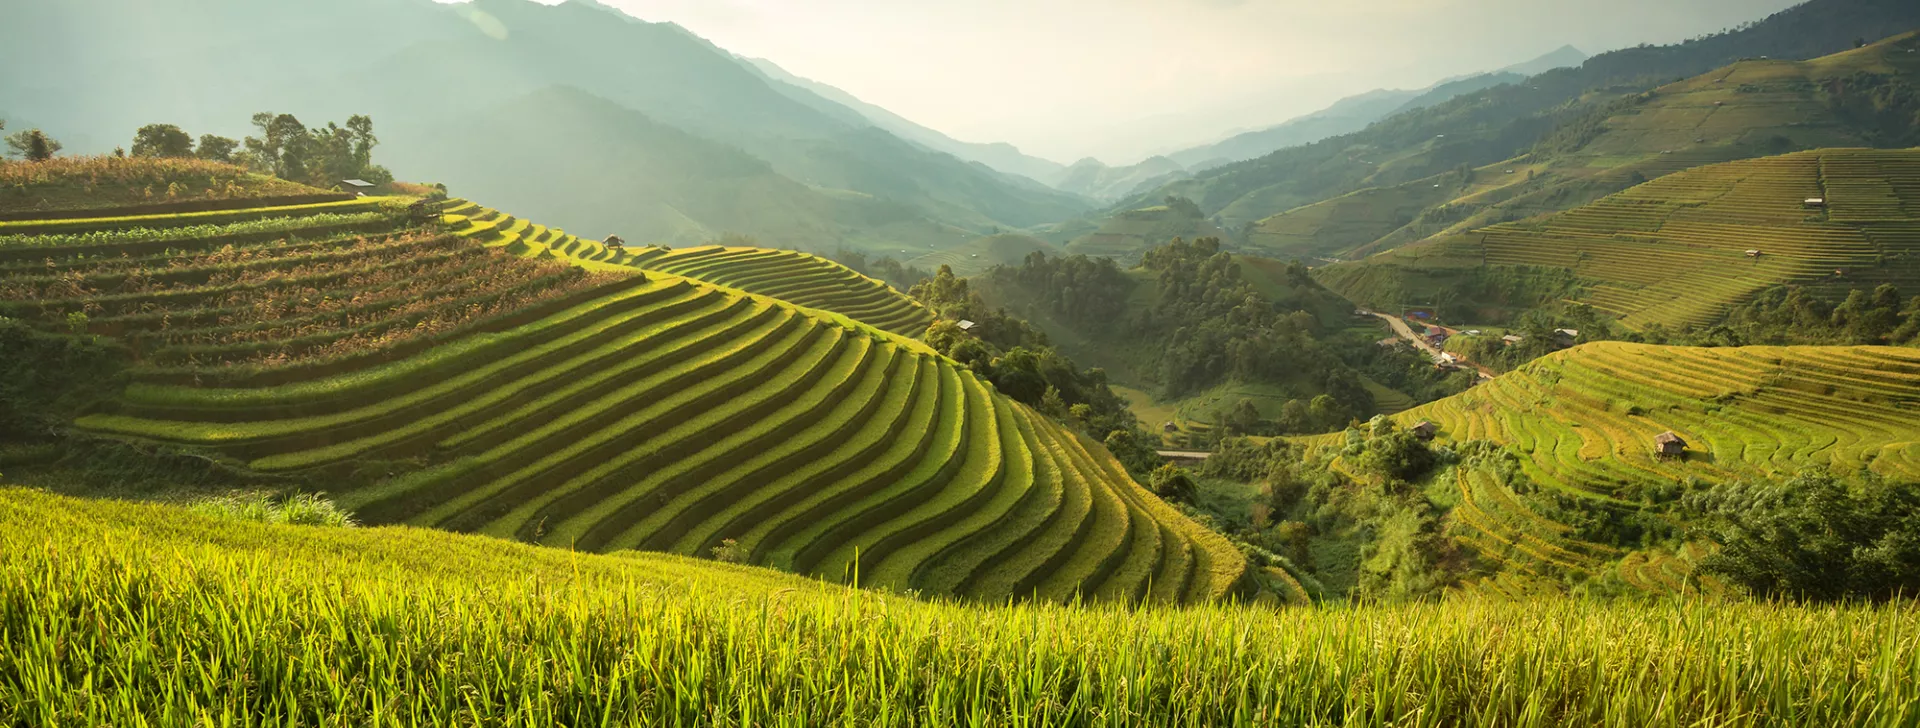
(966, 325)
(1669, 445)
(614, 241)
(1424, 429)
(357, 187)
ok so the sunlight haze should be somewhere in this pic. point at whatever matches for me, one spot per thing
(1065, 79)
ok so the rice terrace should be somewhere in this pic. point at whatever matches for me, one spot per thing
(662, 385)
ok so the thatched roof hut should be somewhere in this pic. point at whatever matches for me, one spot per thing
(1668, 444)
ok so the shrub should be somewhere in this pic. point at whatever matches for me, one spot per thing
(1815, 537)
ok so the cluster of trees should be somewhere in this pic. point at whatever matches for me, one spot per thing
(1207, 325)
(1884, 105)
(284, 148)
(1795, 315)
(1211, 326)
(31, 145)
(1814, 536)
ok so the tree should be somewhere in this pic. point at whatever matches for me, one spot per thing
(33, 145)
(283, 148)
(1173, 485)
(162, 140)
(216, 148)
(1245, 417)
(1814, 536)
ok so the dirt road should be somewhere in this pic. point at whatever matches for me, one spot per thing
(1404, 331)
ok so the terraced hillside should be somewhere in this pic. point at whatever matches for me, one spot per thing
(1750, 109)
(800, 278)
(525, 397)
(1675, 251)
(1585, 420)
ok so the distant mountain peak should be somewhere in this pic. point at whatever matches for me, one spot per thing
(1565, 56)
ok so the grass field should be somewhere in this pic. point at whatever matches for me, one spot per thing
(586, 399)
(1584, 421)
(140, 615)
(799, 278)
(1674, 251)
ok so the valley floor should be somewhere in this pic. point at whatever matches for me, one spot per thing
(143, 615)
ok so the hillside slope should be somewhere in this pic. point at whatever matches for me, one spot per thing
(1584, 422)
(1750, 109)
(1675, 251)
(808, 280)
(425, 378)
(1489, 126)
(425, 71)
(1003, 157)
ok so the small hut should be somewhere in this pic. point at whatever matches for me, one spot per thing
(356, 187)
(1424, 429)
(1669, 445)
(966, 325)
(1170, 427)
(614, 241)
(1816, 202)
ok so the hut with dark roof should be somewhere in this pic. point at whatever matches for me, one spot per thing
(1669, 445)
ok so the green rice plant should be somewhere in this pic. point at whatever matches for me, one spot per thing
(810, 429)
(756, 513)
(302, 509)
(422, 627)
(199, 236)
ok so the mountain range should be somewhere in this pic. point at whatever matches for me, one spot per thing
(445, 84)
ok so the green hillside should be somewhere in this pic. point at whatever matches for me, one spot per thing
(525, 397)
(1584, 422)
(1750, 109)
(982, 253)
(1491, 126)
(1674, 251)
(1128, 234)
(795, 277)
(392, 627)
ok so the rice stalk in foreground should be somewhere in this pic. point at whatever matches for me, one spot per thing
(186, 621)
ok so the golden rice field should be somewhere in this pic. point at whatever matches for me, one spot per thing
(141, 615)
(576, 400)
(799, 278)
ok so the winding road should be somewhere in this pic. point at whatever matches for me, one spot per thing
(1404, 331)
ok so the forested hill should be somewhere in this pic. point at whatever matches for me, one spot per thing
(428, 72)
(1501, 122)
(1191, 318)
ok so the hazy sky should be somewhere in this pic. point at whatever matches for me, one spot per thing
(1121, 79)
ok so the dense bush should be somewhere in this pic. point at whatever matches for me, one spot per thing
(1814, 536)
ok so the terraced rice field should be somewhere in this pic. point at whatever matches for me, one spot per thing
(800, 278)
(526, 398)
(1674, 251)
(1585, 420)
